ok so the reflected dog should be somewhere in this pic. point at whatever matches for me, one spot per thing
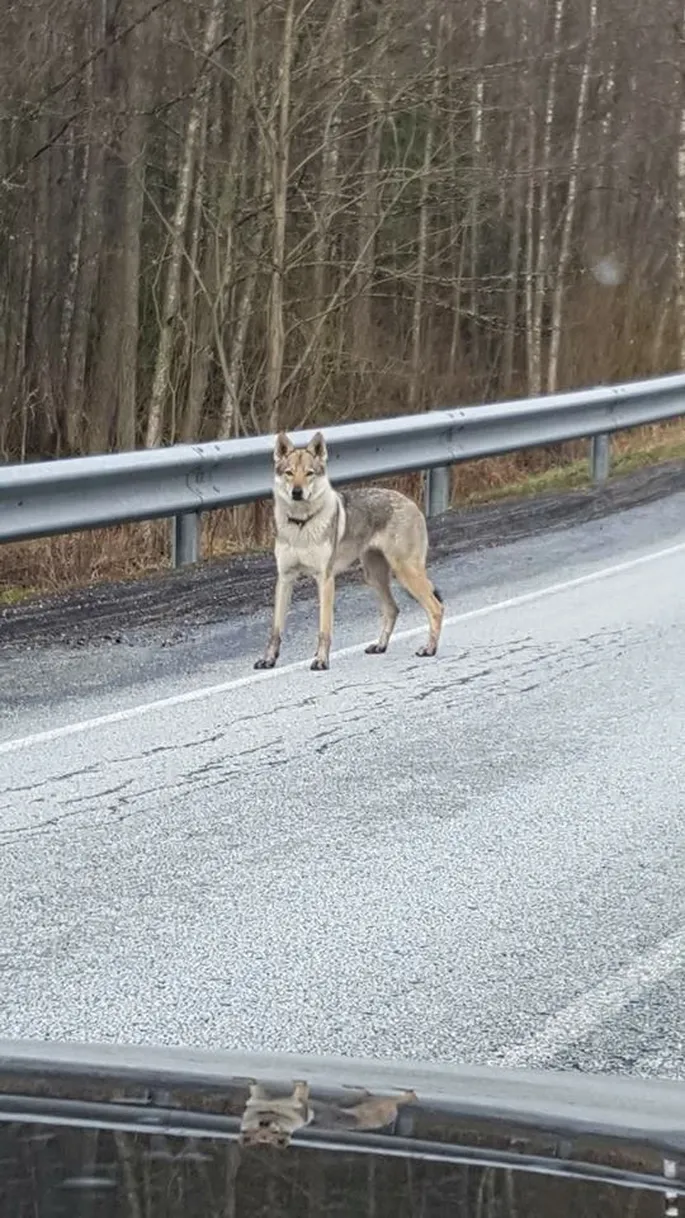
(321, 532)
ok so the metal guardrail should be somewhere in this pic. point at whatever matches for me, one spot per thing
(51, 497)
(649, 1110)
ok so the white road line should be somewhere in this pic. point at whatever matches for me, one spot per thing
(255, 677)
(595, 1007)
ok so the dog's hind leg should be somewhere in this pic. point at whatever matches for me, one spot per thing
(415, 580)
(377, 575)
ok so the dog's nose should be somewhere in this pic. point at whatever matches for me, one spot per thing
(297, 492)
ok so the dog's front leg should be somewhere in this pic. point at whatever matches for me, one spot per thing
(326, 595)
(284, 588)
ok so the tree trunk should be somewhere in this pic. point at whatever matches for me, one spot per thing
(680, 219)
(570, 207)
(231, 414)
(133, 153)
(112, 415)
(219, 265)
(334, 67)
(172, 289)
(422, 250)
(280, 161)
(92, 221)
(74, 258)
(200, 301)
(533, 336)
(38, 362)
(477, 107)
(369, 202)
(544, 219)
(511, 310)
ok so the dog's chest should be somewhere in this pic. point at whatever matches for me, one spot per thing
(300, 554)
(309, 548)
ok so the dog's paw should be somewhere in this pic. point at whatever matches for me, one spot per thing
(265, 662)
(427, 650)
(376, 649)
(318, 665)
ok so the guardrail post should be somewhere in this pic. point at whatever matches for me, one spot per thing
(437, 490)
(600, 458)
(185, 538)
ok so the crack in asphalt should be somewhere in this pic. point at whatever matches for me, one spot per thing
(509, 666)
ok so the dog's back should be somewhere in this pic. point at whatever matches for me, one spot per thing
(377, 518)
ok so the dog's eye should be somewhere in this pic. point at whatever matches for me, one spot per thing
(310, 473)
(289, 473)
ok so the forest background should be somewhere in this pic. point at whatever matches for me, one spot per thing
(221, 218)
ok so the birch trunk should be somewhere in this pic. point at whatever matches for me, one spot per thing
(92, 221)
(533, 342)
(200, 300)
(477, 159)
(280, 160)
(570, 207)
(369, 201)
(511, 312)
(422, 251)
(207, 299)
(598, 209)
(172, 289)
(457, 242)
(74, 259)
(231, 414)
(258, 185)
(334, 67)
(540, 282)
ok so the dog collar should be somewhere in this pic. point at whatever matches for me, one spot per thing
(297, 520)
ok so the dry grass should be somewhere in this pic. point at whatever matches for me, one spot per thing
(56, 564)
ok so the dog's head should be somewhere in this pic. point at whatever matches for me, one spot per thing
(300, 473)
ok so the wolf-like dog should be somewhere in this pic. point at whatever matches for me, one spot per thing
(321, 532)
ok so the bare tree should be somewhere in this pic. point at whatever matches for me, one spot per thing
(569, 211)
(680, 178)
(335, 33)
(376, 98)
(279, 142)
(172, 290)
(218, 219)
(422, 252)
(544, 218)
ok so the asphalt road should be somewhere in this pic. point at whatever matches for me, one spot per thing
(477, 858)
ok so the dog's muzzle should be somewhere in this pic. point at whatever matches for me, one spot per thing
(297, 492)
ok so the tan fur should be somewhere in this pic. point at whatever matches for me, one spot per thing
(370, 1112)
(272, 1120)
(321, 532)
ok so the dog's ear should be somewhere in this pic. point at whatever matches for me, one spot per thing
(317, 447)
(282, 447)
